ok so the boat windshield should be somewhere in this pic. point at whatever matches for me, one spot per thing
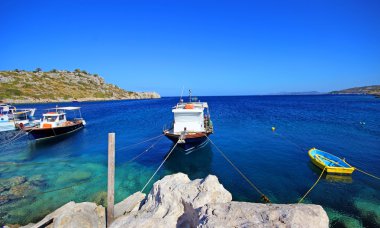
(50, 118)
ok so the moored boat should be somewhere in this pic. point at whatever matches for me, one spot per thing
(191, 126)
(6, 124)
(55, 123)
(331, 163)
(11, 117)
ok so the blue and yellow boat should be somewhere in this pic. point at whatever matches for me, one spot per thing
(330, 162)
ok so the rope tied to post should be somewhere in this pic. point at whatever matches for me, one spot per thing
(263, 197)
(159, 167)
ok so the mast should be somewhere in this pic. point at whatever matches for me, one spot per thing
(190, 95)
(180, 99)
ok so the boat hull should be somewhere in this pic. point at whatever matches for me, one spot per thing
(344, 168)
(50, 133)
(191, 142)
(7, 126)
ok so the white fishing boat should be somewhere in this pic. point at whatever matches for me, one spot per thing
(11, 117)
(192, 124)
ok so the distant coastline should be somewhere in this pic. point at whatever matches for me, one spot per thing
(22, 87)
(373, 90)
(364, 90)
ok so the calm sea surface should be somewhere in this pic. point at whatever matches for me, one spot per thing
(37, 178)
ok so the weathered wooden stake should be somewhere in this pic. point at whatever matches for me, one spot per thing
(111, 178)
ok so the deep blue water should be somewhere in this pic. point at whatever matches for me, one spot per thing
(277, 162)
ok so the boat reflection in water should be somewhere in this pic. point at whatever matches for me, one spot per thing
(339, 178)
(196, 164)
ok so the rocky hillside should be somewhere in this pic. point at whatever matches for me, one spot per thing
(371, 90)
(60, 86)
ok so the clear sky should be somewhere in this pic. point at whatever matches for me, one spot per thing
(214, 47)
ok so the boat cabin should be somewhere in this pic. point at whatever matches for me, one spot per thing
(190, 117)
(56, 117)
(4, 109)
(7, 109)
(53, 119)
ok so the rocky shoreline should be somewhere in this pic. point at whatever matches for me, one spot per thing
(177, 201)
(136, 96)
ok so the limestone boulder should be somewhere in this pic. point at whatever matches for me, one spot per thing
(132, 203)
(172, 200)
(242, 214)
(85, 215)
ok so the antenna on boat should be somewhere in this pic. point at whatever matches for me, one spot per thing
(190, 95)
(180, 99)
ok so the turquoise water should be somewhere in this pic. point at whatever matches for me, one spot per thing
(37, 178)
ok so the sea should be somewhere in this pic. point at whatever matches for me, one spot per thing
(266, 137)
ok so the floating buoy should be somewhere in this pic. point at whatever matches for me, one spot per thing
(273, 128)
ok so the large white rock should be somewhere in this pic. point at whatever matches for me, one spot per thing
(172, 200)
(132, 203)
(84, 215)
(176, 201)
(241, 214)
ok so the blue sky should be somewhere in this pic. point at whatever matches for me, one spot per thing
(214, 47)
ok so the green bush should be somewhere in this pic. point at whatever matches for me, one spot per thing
(37, 70)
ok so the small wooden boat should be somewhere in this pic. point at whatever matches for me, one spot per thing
(55, 124)
(330, 162)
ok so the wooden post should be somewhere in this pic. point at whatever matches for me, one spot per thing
(111, 178)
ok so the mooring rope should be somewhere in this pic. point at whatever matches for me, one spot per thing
(263, 196)
(319, 178)
(75, 184)
(167, 156)
(144, 141)
(149, 148)
(78, 183)
(290, 141)
(14, 138)
(371, 175)
(67, 160)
